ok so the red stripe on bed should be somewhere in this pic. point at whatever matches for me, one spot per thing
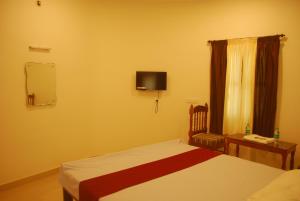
(95, 188)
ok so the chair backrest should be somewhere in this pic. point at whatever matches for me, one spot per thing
(198, 119)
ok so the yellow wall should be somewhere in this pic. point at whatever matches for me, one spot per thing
(97, 46)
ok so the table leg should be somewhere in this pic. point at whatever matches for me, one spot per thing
(237, 150)
(67, 196)
(292, 160)
(284, 156)
(226, 147)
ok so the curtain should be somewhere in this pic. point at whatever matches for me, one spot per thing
(217, 85)
(265, 95)
(239, 90)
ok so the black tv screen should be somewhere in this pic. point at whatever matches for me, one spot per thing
(146, 80)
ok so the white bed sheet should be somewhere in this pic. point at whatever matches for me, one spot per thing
(219, 179)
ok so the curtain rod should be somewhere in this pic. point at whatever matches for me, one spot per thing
(280, 35)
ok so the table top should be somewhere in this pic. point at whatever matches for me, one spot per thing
(282, 145)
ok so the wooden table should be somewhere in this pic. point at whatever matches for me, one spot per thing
(283, 148)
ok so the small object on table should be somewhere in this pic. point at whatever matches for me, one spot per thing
(276, 135)
(247, 129)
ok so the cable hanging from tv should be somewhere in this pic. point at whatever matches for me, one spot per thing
(156, 103)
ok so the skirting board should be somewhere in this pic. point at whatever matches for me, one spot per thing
(28, 179)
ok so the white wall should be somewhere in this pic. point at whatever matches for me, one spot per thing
(97, 47)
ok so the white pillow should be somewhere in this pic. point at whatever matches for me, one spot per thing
(285, 187)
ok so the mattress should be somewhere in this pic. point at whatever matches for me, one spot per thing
(220, 178)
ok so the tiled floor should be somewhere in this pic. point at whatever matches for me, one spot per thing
(43, 189)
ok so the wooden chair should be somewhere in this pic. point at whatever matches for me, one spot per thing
(198, 135)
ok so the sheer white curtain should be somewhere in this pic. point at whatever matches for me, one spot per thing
(239, 90)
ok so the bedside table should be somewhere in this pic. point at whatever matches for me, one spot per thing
(283, 148)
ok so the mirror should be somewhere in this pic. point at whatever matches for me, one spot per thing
(40, 84)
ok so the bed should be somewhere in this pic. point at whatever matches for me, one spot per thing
(218, 178)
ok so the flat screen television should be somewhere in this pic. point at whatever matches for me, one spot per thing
(147, 80)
